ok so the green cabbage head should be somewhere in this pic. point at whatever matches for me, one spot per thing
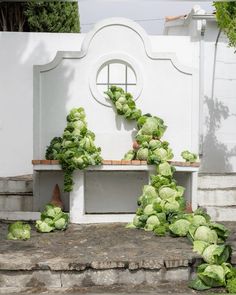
(188, 156)
(152, 222)
(204, 233)
(148, 210)
(150, 126)
(154, 144)
(167, 193)
(18, 231)
(142, 154)
(216, 254)
(149, 190)
(172, 206)
(43, 226)
(165, 169)
(180, 227)
(212, 275)
(198, 220)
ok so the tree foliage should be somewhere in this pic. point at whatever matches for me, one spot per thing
(226, 18)
(40, 16)
(54, 16)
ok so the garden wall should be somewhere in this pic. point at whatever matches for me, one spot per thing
(18, 53)
(217, 71)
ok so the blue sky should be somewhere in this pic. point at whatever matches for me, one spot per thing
(148, 13)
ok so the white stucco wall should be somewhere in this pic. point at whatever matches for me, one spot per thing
(218, 92)
(18, 53)
(219, 140)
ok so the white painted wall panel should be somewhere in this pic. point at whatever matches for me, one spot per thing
(220, 104)
(169, 90)
(16, 89)
(18, 53)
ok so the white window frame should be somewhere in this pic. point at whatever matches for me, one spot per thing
(107, 59)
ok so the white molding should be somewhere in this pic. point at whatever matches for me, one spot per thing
(46, 167)
(124, 22)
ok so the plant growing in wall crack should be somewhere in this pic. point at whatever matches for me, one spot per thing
(76, 148)
(161, 207)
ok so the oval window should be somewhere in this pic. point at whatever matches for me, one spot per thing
(115, 69)
(116, 73)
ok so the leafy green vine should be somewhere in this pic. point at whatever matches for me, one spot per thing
(226, 19)
(161, 207)
(76, 148)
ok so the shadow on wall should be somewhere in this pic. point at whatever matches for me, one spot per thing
(215, 153)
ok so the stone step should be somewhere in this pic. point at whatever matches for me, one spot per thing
(19, 202)
(217, 181)
(19, 215)
(221, 213)
(178, 288)
(96, 255)
(16, 194)
(16, 184)
(217, 194)
(217, 197)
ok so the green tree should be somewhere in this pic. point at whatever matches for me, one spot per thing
(226, 19)
(53, 16)
(40, 16)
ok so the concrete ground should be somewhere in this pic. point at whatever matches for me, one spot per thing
(98, 259)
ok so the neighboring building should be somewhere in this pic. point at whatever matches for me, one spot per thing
(217, 72)
(217, 97)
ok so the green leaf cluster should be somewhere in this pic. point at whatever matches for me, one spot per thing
(163, 197)
(162, 204)
(53, 150)
(53, 16)
(188, 156)
(52, 218)
(18, 231)
(226, 19)
(76, 148)
(148, 146)
(40, 16)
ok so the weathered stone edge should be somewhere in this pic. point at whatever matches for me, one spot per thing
(58, 265)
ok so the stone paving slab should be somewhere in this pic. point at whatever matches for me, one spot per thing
(96, 246)
(179, 288)
(91, 256)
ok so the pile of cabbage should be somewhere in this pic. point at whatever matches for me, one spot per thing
(188, 156)
(52, 218)
(18, 231)
(147, 146)
(76, 148)
(162, 208)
